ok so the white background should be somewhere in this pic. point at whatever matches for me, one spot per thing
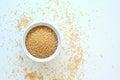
(104, 36)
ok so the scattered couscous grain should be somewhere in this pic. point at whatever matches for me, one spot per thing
(41, 41)
(34, 75)
(21, 58)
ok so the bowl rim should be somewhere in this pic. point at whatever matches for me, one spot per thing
(56, 51)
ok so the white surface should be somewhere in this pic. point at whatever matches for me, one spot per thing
(104, 46)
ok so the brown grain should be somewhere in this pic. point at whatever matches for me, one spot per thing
(21, 58)
(33, 76)
(41, 41)
(23, 22)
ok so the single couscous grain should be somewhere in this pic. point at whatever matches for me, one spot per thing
(41, 41)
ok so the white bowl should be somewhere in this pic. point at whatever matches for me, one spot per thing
(42, 59)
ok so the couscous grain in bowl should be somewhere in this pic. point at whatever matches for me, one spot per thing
(42, 42)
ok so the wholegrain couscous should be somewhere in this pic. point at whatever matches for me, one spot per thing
(41, 41)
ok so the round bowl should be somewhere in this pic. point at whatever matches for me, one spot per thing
(51, 56)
